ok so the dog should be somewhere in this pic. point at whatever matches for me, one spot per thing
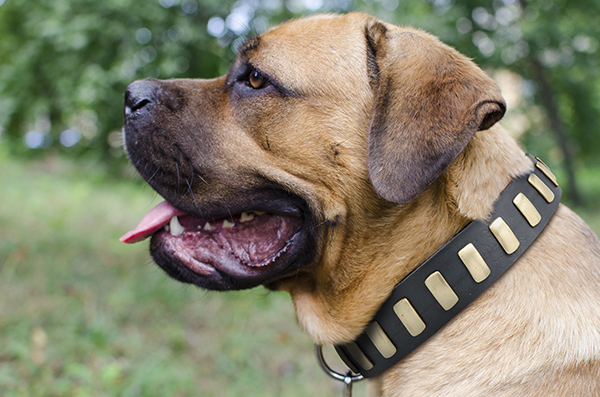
(339, 153)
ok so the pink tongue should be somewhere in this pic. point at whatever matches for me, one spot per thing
(154, 220)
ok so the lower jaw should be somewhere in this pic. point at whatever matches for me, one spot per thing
(232, 275)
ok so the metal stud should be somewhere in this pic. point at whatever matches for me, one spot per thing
(474, 263)
(360, 357)
(527, 208)
(504, 235)
(541, 187)
(546, 171)
(441, 290)
(409, 317)
(380, 340)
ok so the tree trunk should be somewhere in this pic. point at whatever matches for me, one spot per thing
(556, 125)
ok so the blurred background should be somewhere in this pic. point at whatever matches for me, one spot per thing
(82, 314)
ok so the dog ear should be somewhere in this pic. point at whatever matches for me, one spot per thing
(429, 102)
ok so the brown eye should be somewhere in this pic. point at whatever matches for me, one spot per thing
(256, 80)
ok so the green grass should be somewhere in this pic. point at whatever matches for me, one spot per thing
(84, 315)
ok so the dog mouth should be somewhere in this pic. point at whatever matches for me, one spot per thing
(235, 251)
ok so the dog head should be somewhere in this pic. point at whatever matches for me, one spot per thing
(292, 170)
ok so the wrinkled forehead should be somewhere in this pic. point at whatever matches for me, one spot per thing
(317, 52)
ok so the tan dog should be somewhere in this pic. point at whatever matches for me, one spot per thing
(338, 154)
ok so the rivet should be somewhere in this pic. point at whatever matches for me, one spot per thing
(546, 171)
(504, 235)
(360, 357)
(380, 340)
(409, 317)
(474, 263)
(527, 208)
(441, 290)
(541, 187)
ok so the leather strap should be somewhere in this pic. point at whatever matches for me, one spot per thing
(435, 292)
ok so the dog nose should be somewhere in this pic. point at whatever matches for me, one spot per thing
(139, 94)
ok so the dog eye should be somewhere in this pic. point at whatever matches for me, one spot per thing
(256, 80)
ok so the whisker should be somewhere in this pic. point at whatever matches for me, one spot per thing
(178, 178)
(190, 191)
(322, 223)
(153, 175)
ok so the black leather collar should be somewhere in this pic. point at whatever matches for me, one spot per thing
(456, 274)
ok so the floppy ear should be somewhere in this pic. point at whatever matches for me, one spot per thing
(429, 102)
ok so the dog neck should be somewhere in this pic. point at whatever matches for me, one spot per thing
(447, 282)
(378, 243)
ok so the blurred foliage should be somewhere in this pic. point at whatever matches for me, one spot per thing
(64, 64)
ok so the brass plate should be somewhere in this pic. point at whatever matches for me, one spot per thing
(546, 170)
(474, 263)
(359, 356)
(409, 317)
(504, 235)
(541, 187)
(441, 290)
(381, 340)
(527, 208)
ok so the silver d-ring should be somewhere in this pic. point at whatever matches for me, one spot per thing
(332, 373)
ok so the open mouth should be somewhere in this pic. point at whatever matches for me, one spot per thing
(239, 250)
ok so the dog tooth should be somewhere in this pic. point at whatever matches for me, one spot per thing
(175, 227)
(227, 224)
(259, 212)
(208, 226)
(246, 217)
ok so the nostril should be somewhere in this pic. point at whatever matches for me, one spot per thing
(139, 94)
(132, 107)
